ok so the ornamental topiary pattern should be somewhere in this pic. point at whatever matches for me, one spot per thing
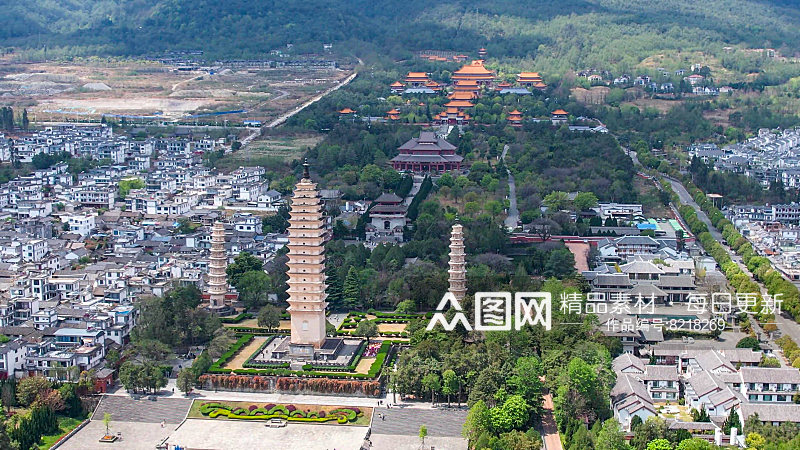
(287, 412)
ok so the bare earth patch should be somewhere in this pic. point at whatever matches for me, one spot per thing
(240, 358)
(391, 327)
(364, 365)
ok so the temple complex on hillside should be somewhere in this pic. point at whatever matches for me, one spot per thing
(462, 95)
(515, 118)
(457, 272)
(474, 71)
(467, 87)
(218, 294)
(427, 153)
(398, 87)
(559, 116)
(459, 104)
(452, 116)
(530, 79)
(416, 79)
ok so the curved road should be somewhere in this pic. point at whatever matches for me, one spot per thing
(513, 213)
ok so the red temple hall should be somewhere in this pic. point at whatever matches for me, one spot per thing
(427, 153)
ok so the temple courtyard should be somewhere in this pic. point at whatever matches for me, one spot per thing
(139, 424)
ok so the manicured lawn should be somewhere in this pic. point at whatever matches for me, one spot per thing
(65, 425)
(362, 420)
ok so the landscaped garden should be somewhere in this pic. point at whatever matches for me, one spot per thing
(301, 413)
(389, 324)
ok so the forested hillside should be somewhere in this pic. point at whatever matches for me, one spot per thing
(563, 34)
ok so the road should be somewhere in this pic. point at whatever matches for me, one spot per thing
(283, 118)
(513, 213)
(550, 436)
(785, 324)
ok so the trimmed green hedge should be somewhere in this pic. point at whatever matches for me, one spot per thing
(236, 319)
(374, 370)
(217, 366)
(340, 415)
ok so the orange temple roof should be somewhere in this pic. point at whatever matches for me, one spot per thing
(459, 104)
(417, 75)
(346, 111)
(560, 112)
(529, 75)
(393, 111)
(397, 84)
(539, 84)
(515, 113)
(462, 95)
(475, 69)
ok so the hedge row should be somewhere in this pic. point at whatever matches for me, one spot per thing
(217, 366)
(249, 363)
(351, 365)
(290, 413)
(236, 319)
(373, 372)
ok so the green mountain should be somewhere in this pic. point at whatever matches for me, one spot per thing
(561, 34)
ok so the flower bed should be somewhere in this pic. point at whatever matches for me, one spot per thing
(293, 384)
(372, 350)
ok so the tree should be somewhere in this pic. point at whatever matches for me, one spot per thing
(352, 290)
(433, 384)
(731, 422)
(406, 307)
(611, 437)
(107, 422)
(71, 399)
(695, 444)
(755, 441)
(25, 121)
(450, 384)
(243, 263)
(29, 389)
(525, 381)
(126, 185)
(749, 342)
(367, 329)
(423, 433)
(277, 223)
(269, 317)
(513, 415)
(477, 421)
(5, 440)
(659, 444)
(585, 200)
(254, 288)
(700, 416)
(769, 362)
(556, 201)
(186, 380)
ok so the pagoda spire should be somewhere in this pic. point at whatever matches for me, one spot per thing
(218, 263)
(306, 264)
(457, 271)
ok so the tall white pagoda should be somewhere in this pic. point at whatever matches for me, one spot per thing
(306, 269)
(457, 270)
(217, 276)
